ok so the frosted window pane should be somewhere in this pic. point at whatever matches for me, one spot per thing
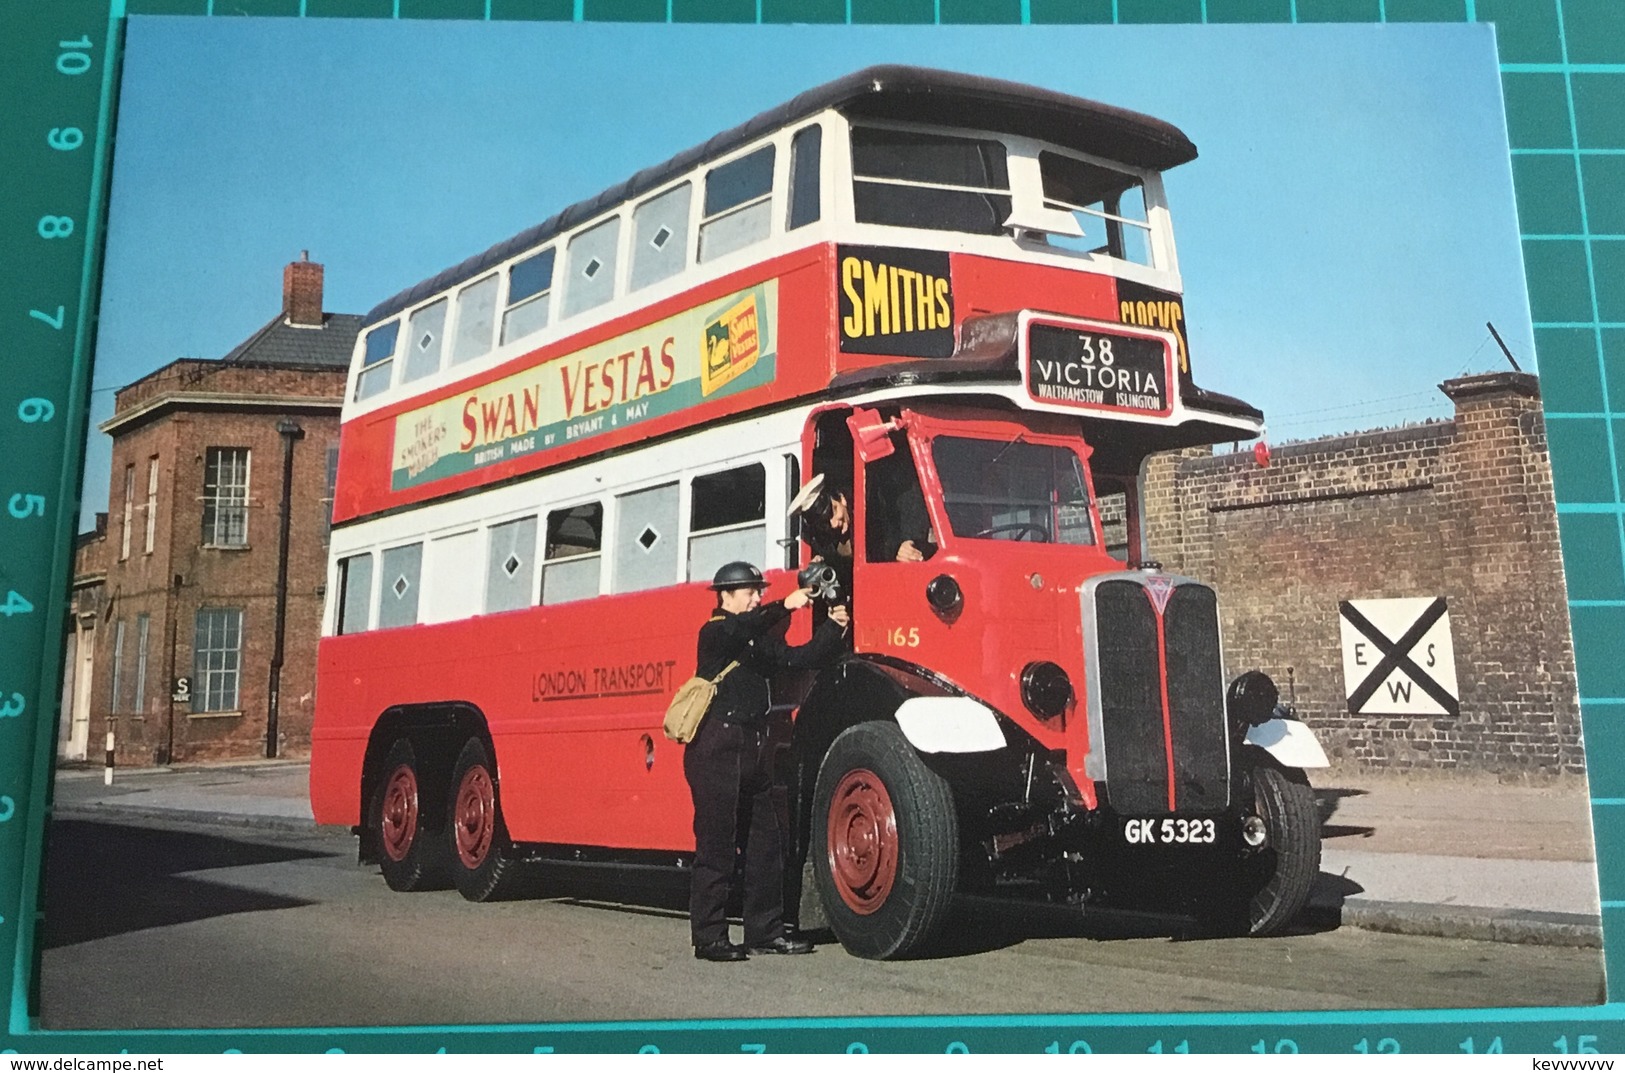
(476, 319)
(425, 339)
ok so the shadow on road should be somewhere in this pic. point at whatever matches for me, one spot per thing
(1327, 801)
(104, 879)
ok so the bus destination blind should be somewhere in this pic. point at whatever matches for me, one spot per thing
(1093, 369)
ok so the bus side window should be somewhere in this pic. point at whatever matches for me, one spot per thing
(727, 520)
(476, 319)
(574, 549)
(355, 592)
(511, 564)
(530, 283)
(402, 572)
(805, 150)
(660, 236)
(787, 535)
(894, 505)
(450, 566)
(738, 204)
(377, 364)
(425, 339)
(589, 267)
(646, 547)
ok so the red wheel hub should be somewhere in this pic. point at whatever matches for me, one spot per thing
(398, 818)
(476, 817)
(862, 841)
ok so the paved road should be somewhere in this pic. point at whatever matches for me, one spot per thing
(181, 925)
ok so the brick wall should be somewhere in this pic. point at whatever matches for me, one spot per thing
(182, 574)
(1460, 509)
(196, 377)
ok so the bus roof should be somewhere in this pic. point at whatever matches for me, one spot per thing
(912, 94)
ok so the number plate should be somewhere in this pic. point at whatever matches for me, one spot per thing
(1171, 831)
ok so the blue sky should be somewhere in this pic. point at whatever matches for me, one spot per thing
(1344, 234)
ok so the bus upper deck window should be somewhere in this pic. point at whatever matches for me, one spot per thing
(529, 283)
(1108, 204)
(476, 319)
(425, 341)
(738, 204)
(660, 236)
(377, 363)
(589, 267)
(806, 149)
(908, 179)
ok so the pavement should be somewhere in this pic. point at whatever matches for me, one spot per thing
(1443, 854)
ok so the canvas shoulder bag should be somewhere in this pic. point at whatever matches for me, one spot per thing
(689, 705)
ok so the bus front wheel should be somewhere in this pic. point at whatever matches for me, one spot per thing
(408, 852)
(481, 859)
(885, 843)
(1269, 887)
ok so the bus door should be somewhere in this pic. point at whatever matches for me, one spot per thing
(895, 545)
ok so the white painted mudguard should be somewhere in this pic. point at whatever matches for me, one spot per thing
(949, 725)
(1290, 742)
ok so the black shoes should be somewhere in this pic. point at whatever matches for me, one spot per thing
(783, 945)
(721, 950)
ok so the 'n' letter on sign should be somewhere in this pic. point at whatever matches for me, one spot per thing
(1397, 657)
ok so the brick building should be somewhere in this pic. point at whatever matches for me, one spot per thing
(209, 458)
(1460, 509)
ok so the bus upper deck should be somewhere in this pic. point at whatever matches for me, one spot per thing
(894, 215)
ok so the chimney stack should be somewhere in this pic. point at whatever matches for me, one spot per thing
(302, 292)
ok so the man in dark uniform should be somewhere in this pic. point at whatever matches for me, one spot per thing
(729, 764)
(899, 527)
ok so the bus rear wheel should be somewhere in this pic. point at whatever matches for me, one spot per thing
(885, 843)
(408, 852)
(481, 854)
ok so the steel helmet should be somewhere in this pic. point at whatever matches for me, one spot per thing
(738, 575)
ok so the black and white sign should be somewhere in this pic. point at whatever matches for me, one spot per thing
(1092, 369)
(1397, 657)
(181, 693)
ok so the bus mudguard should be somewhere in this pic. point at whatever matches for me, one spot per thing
(949, 725)
(1289, 741)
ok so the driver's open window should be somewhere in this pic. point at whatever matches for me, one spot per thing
(894, 506)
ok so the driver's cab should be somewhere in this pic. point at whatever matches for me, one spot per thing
(972, 531)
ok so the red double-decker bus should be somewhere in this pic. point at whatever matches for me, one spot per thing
(928, 287)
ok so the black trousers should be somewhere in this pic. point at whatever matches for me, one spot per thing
(736, 811)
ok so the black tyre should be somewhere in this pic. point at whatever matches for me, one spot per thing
(482, 864)
(409, 854)
(885, 843)
(1274, 881)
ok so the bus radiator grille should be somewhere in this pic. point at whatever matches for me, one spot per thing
(1131, 699)
(1196, 699)
(1131, 715)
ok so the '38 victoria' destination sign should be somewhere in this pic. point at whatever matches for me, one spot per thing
(1074, 364)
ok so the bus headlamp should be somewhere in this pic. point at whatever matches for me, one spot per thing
(1251, 700)
(1045, 689)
